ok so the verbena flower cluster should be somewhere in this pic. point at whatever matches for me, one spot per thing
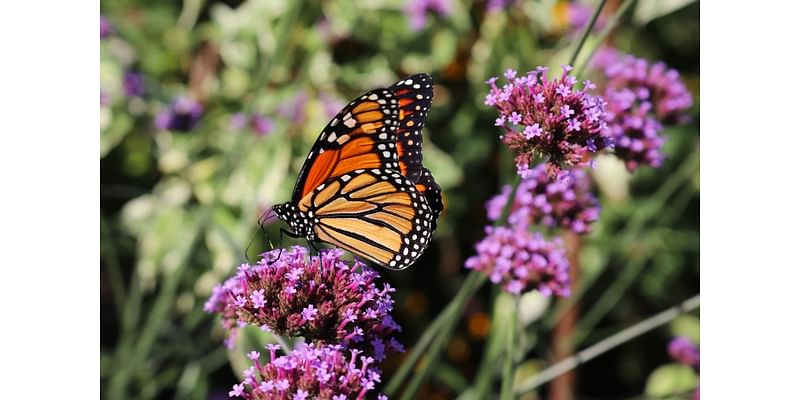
(520, 260)
(642, 99)
(320, 298)
(183, 114)
(260, 124)
(549, 118)
(328, 372)
(133, 84)
(684, 351)
(567, 203)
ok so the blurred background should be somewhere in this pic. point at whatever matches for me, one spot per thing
(208, 109)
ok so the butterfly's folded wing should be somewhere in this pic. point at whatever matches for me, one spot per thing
(433, 194)
(362, 135)
(377, 214)
(414, 95)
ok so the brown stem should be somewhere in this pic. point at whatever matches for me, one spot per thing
(562, 388)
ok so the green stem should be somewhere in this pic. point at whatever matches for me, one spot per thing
(586, 31)
(612, 23)
(609, 298)
(622, 283)
(607, 344)
(486, 370)
(433, 334)
(506, 390)
(451, 316)
(109, 253)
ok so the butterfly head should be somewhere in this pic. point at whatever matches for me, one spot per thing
(298, 222)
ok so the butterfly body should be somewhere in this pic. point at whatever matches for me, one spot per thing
(363, 187)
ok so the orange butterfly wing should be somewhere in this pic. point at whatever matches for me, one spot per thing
(414, 95)
(362, 135)
(433, 194)
(377, 214)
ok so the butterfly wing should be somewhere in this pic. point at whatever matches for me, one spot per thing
(377, 214)
(414, 95)
(362, 135)
(433, 194)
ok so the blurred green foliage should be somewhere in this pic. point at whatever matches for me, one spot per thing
(179, 208)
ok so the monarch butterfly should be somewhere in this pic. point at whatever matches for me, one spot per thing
(363, 187)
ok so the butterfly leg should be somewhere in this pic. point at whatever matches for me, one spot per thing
(311, 245)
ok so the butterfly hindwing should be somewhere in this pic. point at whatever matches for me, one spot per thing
(362, 135)
(377, 214)
(414, 95)
(433, 194)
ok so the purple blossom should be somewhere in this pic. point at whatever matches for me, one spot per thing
(257, 298)
(295, 110)
(312, 372)
(495, 5)
(104, 98)
(331, 104)
(567, 118)
(133, 84)
(578, 15)
(532, 131)
(510, 74)
(567, 203)
(416, 11)
(642, 99)
(106, 29)
(309, 313)
(684, 351)
(519, 261)
(238, 390)
(182, 115)
(329, 301)
(260, 124)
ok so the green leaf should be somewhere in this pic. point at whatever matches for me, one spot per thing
(444, 168)
(686, 325)
(671, 379)
(648, 10)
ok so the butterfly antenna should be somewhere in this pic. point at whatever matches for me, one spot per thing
(261, 221)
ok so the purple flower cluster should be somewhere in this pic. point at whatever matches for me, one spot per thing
(320, 298)
(260, 124)
(567, 203)
(684, 351)
(183, 114)
(520, 261)
(549, 118)
(642, 98)
(133, 84)
(105, 28)
(328, 372)
(416, 11)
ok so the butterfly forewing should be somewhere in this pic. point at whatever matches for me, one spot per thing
(414, 95)
(376, 214)
(362, 135)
